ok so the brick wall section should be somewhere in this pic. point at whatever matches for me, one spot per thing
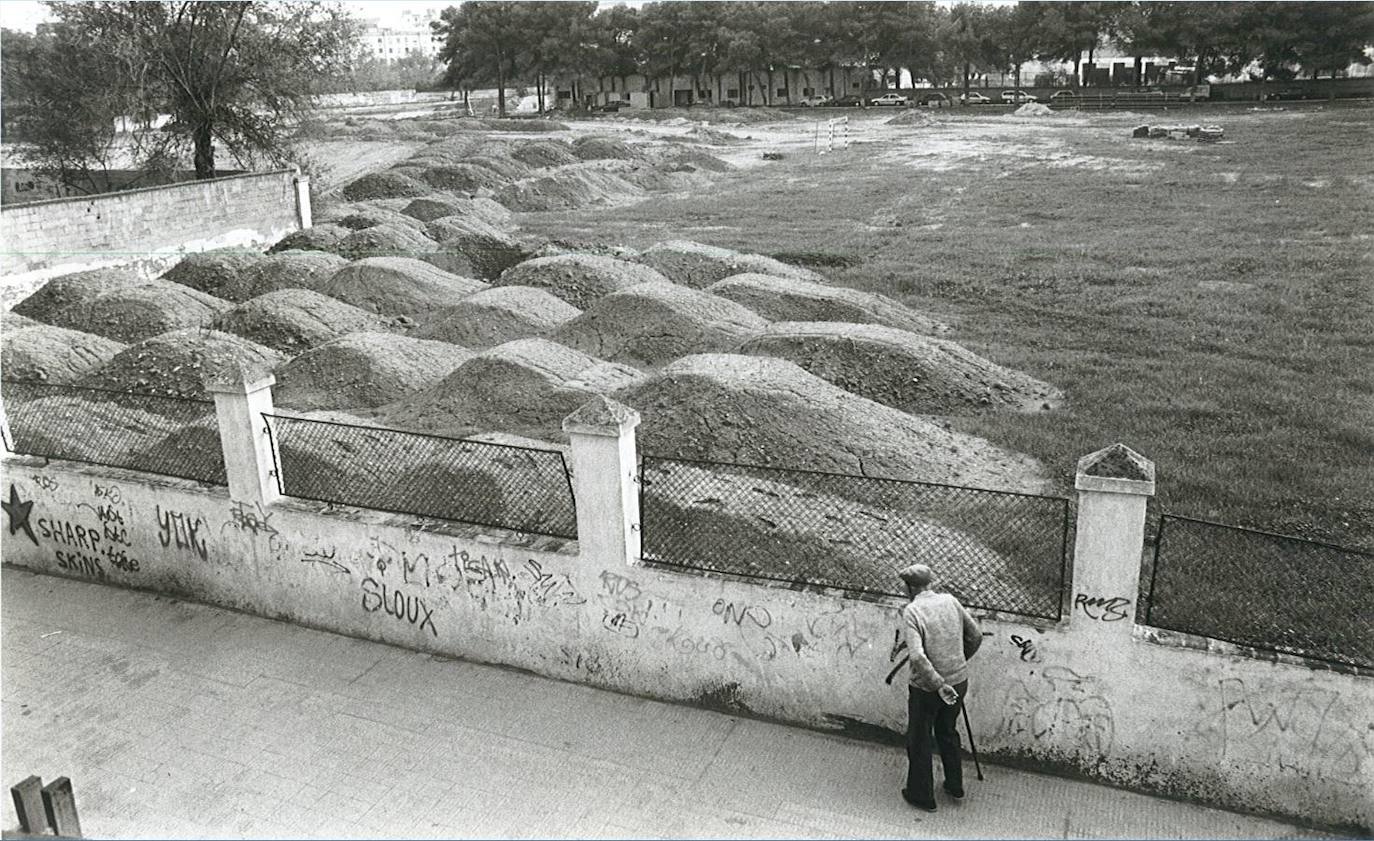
(157, 222)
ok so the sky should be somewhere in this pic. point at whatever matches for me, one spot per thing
(25, 15)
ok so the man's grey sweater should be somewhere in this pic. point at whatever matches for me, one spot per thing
(940, 637)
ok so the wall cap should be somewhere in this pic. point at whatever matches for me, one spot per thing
(238, 378)
(601, 416)
(1116, 469)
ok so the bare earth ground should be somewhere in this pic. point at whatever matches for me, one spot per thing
(1209, 305)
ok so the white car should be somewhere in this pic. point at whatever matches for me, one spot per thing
(817, 101)
(890, 99)
(973, 98)
(1017, 97)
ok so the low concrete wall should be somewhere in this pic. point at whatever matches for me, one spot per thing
(1086, 695)
(150, 228)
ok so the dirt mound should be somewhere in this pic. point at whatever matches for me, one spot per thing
(210, 270)
(756, 410)
(396, 286)
(916, 374)
(693, 160)
(525, 387)
(57, 301)
(43, 353)
(464, 177)
(768, 519)
(322, 237)
(385, 185)
(544, 153)
(364, 370)
(651, 324)
(567, 190)
(447, 227)
(506, 167)
(786, 299)
(698, 266)
(143, 310)
(1033, 109)
(596, 147)
(913, 117)
(473, 248)
(9, 321)
(578, 279)
(288, 270)
(526, 125)
(174, 363)
(713, 137)
(435, 207)
(295, 320)
(500, 314)
(384, 241)
(366, 215)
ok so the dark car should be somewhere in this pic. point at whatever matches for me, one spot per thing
(850, 101)
(607, 107)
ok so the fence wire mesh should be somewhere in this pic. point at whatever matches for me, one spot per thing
(1262, 590)
(518, 488)
(993, 550)
(172, 436)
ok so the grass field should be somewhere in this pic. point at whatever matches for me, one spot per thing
(1211, 306)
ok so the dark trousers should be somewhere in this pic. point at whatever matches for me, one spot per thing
(929, 716)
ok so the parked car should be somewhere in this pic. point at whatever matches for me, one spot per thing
(934, 99)
(890, 99)
(817, 101)
(1017, 97)
(608, 107)
(850, 101)
(973, 98)
(1063, 97)
(1196, 93)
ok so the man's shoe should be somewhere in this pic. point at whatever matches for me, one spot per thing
(919, 804)
(956, 793)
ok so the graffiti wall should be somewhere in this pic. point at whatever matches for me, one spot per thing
(1260, 736)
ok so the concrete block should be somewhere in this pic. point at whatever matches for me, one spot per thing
(59, 804)
(28, 805)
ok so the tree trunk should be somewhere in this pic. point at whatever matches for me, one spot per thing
(768, 94)
(539, 91)
(500, 86)
(967, 71)
(1077, 64)
(205, 151)
(1139, 71)
(1018, 75)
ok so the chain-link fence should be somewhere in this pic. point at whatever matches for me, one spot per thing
(518, 488)
(172, 436)
(992, 549)
(1262, 590)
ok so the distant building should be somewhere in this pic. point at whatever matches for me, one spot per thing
(411, 36)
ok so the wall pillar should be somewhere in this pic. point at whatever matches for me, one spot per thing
(242, 397)
(1113, 485)
(605, 481)
(303, 212)
(5, 429)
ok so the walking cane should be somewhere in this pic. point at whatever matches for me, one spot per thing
(971, 746)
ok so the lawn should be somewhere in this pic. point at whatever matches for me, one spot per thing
(1211, 306)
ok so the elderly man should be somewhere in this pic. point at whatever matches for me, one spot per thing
(940, 637)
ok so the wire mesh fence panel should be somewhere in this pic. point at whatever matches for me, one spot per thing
(518, 488)
(172, 436)
(1262, 590)
(993, 550)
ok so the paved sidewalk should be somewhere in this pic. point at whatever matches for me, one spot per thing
(180, 720)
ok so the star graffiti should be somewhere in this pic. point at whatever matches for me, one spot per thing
(18, 512)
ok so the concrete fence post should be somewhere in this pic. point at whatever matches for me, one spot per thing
(1113, 485)
(605, 485)
(242, 397)
(303, 212)
(5, 428)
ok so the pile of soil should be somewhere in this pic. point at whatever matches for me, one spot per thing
(9, 321)
(210, 270)
(43, 353)
(139, 311)
(434, 207)
(474, 249)
(364, 370)
(388, 184)
(713, 137)
(398, 286)
(366, 215)
(651, 324)
(529, 126)
(654, 179)
(464, 178)
(541, 154)
(384, 241)
(579, 279)
(501, 164)
(104, 428)
(567, 189)
(447, 227)
(756, 410)
(526, 387)
(786, 299)
(322, 237)
(194, 448)
(823, 538)
(692, 160)
(295, 320)
(56, 301)
(911, 117)
(498, 315)
(916, 374)
(175, 363)
(1033, 109)
(287, 270)
(598, 147)
(698, 266)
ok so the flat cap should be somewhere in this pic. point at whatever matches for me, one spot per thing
(917, 575)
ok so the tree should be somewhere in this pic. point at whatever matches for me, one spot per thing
(482, 41)
(237, 72)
